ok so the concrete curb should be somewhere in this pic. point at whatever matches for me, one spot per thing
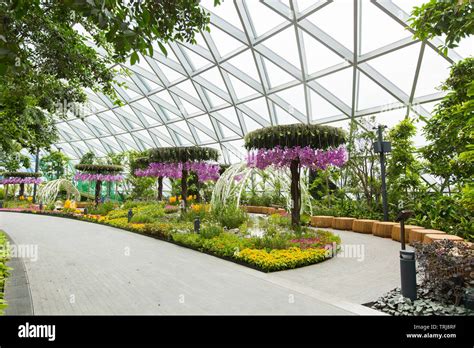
(17, 287)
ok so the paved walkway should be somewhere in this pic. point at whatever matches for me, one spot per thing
(85, 268)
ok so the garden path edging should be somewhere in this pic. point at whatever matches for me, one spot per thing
(17, 287)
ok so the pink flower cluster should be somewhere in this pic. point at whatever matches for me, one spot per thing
(17, 180)
(308, 157)
(205, 171)
(97, 177)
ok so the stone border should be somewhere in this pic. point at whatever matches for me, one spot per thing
(17, 287)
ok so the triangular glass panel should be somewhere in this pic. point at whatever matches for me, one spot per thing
(407, 6)
(259, 106)
(229, 115)
(276, 75)
(244, 62)
(263, 18)
(399, 66)
(373, 19)
(187, 108)
(203, 137)
(295, 97)
(250, 124)
(321, 108)
(371, 94)
(283, 117)
(195, 60)
(171, 74)
(215, 100)
(226, 10)
(318, 56)
(241, 89)
(188, 87)
(337, 20)
(434, 71)
(339, 84)
(225, 43)
(285, 45)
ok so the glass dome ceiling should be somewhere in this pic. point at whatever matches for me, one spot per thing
(267, 63)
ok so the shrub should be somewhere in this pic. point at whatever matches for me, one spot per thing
(115, 214)
(196, 211)
(211, 230)
(279, 220)
(446, 268)
(134, 204)
(147, 213)
(165, 229)
(102, 208)
(170, 209)
(230, 216)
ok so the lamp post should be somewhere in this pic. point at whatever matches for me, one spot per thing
(407, 260)
(57, 169)
(36, 171)
(382, 147)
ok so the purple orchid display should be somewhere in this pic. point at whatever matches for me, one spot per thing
(18, 180)
(205, 171)
(308, 157)
(97, 177)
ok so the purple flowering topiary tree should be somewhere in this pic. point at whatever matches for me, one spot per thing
(98, 173)
(296, 146)
(178, 162)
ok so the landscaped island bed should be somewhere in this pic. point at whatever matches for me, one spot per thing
(228, 235)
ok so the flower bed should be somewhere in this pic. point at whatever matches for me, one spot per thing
(278, 260)
(264, 254)
(3, 269)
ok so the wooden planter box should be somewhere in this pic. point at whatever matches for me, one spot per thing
(363, 225)
(342, 223)
(383, 229)
(417, 235)
(408, 228)
(82, 204)
(271, 211)
(430, 238)
(322, 221)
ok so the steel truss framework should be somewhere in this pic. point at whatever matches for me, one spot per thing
(264, 63)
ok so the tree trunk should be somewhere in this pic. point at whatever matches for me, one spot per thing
(22, 189)
(184, 188)
(160, 188)
(295, 192)
(98, 186)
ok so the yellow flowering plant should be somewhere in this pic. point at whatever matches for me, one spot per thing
(280, 259)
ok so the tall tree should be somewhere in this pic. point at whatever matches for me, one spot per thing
(403, 168)
(450, 129)
(53, 165)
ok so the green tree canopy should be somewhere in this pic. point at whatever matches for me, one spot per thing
(450, 129)
(46, 59)
(53, 165)
(454, 18)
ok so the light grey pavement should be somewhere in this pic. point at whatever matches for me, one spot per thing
(85, 268)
